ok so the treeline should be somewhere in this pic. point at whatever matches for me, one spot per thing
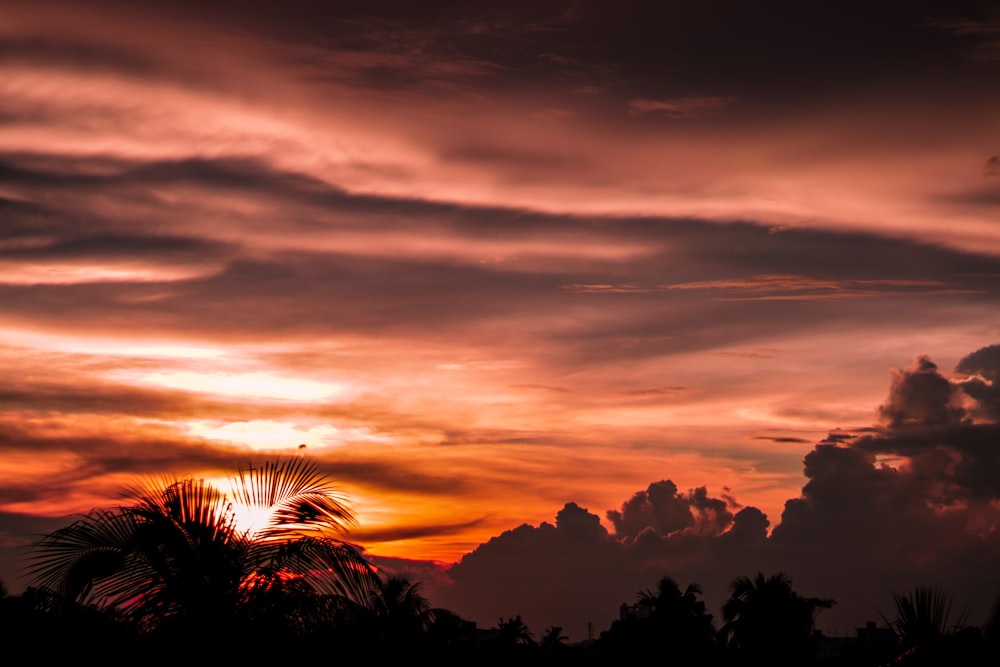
(764, 622)
(177, 575)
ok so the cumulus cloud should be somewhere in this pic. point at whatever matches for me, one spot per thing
(658, 507)
(920, 396)
(983, 383)
(916, 501)
(664, 510)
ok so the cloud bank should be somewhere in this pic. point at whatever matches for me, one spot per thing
(912, 501)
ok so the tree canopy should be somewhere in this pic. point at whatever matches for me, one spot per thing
(180, 554)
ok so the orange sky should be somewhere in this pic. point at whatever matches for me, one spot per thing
(482, 262)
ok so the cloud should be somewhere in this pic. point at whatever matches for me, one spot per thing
(882, 509)
(691, 106)
(437, 205)
(503, 575)
(983, 367)
(662, 509)
(920, 396)
(780, 439)
(804, 288)
(408, 532)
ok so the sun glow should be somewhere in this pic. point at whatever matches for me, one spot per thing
(54, 273)
(266, 434)
(250, 519)
(247, 385)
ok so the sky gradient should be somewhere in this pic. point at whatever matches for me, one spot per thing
(577, 288)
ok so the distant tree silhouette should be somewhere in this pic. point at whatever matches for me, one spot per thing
(767, 622)
(514, 632)
(175, 559)
(40, 626)
(681, 615)
(452, 639)
(667, 623)
(924, 631)
(400, 614)
(554, 637)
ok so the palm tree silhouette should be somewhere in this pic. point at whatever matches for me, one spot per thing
(666, 623)
(767, 621)
(514, 632)
(923, 626)
(681, 614)
(402, 613)
(176, 558)
(553, 637)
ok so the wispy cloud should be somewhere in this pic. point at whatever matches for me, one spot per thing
(461, 250)
(691, 106)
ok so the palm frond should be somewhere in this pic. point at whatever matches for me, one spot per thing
(922, 615)
(91, 548)
(174, 553)
(328, 565)
(296, 497)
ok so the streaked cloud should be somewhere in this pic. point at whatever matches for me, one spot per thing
(692, 106)
(490, 261)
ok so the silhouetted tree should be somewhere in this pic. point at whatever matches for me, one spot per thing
(554, 637)
(452, 639)
(925, 633)
(767, 622)
(43, 627)
(674, 626)
(400, 614)
(513, 632)
(176, 560)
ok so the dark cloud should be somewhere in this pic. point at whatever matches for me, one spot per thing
(662, 509)
(780, 439)
(984, 361)
(339, 272)
(691, 42)
(984, 385)
(535, 571)
(749, 528)
(920, 396)
(657, 528)
(102, 246)
(105, 450)
(992, 166)
(68, 399)
(82, 56)
(411, 531)
(659, 507)
(958, 463)
(882, 510)
(392, 476)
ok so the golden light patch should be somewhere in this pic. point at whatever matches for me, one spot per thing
(249, 385)
(18, 273)
(95, 345)
(266, 434)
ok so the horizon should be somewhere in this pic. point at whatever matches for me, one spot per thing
(552, 288)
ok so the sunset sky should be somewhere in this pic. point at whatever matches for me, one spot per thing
(498, 262)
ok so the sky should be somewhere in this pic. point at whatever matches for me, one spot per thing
(566, 296)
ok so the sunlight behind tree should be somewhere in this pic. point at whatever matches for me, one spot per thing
(176, 556)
